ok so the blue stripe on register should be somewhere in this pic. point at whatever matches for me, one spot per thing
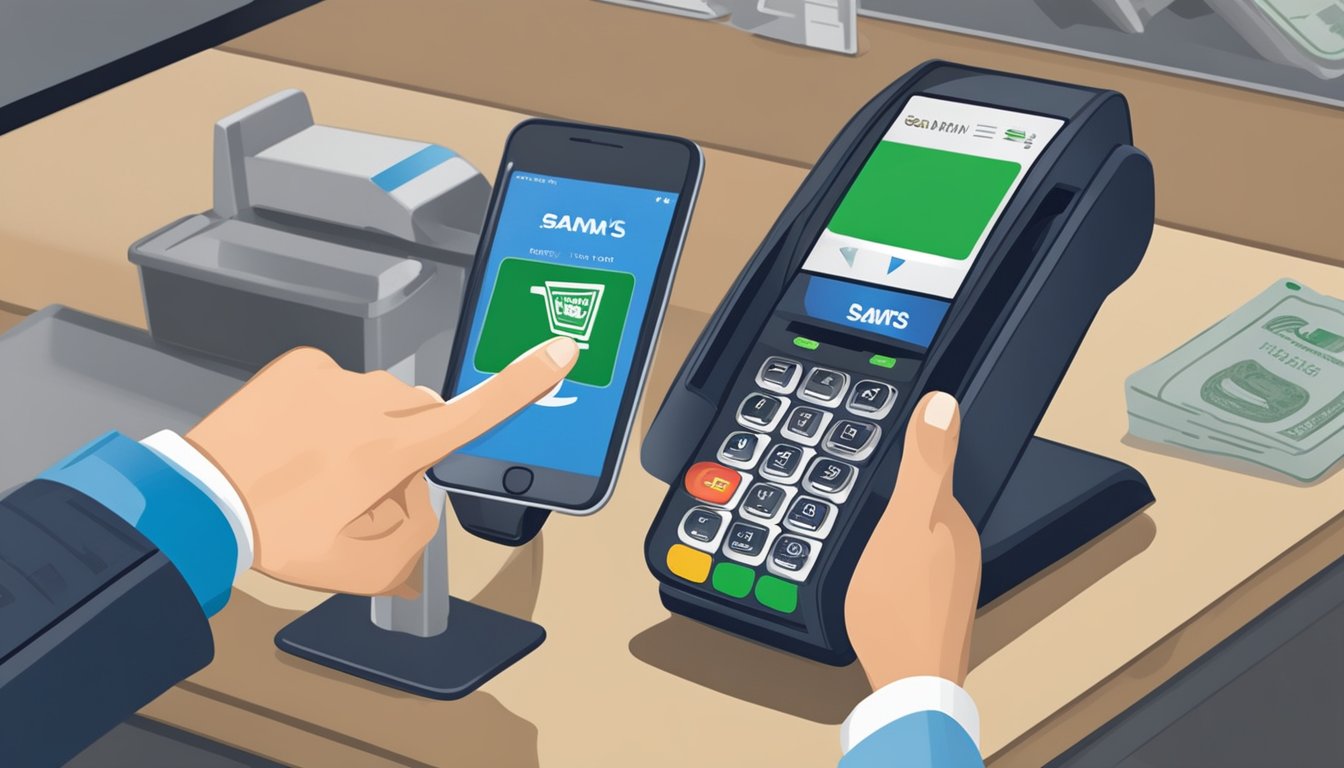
(403, 171)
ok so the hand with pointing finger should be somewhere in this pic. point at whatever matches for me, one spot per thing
(329, 463)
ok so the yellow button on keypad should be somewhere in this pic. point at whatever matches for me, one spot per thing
(688, 563)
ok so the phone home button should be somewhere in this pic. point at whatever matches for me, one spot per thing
(517, 479)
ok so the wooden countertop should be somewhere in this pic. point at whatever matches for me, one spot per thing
(619, 680)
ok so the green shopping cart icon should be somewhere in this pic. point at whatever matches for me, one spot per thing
(571, 308)
(587, 305)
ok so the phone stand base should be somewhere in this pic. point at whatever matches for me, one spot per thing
(478, 644)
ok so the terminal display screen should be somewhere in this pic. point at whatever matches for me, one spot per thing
(918, 213)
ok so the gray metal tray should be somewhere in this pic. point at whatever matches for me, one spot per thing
(67, 377)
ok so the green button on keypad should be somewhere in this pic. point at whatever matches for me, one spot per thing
(777, 593)
(732, 579)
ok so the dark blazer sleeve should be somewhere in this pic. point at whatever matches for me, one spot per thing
(95, 622)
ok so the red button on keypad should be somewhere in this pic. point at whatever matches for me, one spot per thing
(712, 482)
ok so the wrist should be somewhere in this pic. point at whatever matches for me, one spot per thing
(218, 454)
(889, 668)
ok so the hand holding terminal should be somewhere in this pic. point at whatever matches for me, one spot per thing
(912, 600)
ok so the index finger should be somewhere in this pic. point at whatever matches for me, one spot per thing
(442, 429)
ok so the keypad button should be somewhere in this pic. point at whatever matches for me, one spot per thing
(733, 580)
(830, 478)
(688, 564)
(742, 449)
(761, 412)
(871, 398)
(805, 424)
(779, 374)
(853, 439)
(777, 594)
(748, 542)
(792, 557)
(791, 553)
(747, 539)
(765, 501)
(810, 516)
(824, 386)
(703, 528)
(784, 462)
(714, 483)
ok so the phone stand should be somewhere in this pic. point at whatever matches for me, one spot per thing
(435, 645)
(512, 525)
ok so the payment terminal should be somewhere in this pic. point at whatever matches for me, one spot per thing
(959, 234)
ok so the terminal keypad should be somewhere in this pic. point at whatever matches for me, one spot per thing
(803, 435)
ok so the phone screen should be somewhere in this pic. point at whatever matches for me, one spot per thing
(572, 258)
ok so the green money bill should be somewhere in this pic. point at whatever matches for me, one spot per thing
(1304, 467)
(1267, 381)
(1190, 422)
(1272, 384)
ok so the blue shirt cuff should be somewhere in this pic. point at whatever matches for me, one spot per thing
(920, 740)
(168, 507)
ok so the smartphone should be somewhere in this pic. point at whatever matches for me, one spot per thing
(582, 239)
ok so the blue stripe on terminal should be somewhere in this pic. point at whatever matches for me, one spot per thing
(403, 171)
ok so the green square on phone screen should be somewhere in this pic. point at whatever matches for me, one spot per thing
(533, 301)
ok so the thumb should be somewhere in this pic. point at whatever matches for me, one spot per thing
(930, 453)
(390, 564)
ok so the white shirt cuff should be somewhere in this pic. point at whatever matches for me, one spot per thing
(171, 447)
(907, 696)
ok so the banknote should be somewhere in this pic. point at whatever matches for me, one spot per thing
(1265, 383)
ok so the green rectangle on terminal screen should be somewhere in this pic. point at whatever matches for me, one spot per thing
(926, 200)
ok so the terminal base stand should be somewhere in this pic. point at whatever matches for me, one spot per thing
(478, 644)
(1058, 499)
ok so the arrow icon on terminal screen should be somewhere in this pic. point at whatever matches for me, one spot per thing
(849, 253)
